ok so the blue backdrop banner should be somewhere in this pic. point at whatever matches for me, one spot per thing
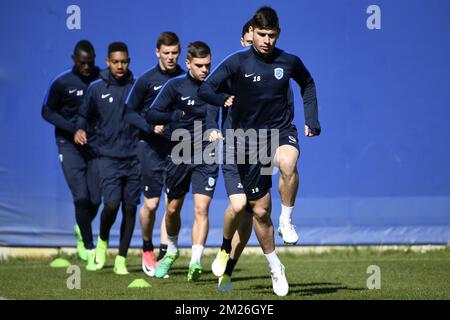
(378, 174)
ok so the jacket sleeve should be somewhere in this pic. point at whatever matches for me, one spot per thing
(133, 106)
(308, 91)
(86, 110)
(52, 106)
(211, 90)
(212, 117)
(161, 111)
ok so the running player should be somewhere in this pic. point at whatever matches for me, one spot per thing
(225, 261)
(117, 141)
(260, 83)
(238, 215)
(179, 105)
(61, 104)
(153, 147)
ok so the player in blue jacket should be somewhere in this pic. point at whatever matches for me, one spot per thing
(79, 164)
(154, 144)
(259, 95)
(116, 142)
(179, 105)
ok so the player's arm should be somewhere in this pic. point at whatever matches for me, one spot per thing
(84, 116)
(211, 89)
(161, 111)
(308, 91)
(212, 123)
(133, 104)
(51, 108)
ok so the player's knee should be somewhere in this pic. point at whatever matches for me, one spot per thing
(201, 209)
(288, 165)
(238, 206)
(151, 204)
(261, 214)
(171, 211)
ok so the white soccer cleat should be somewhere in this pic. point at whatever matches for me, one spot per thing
(225, 283)
(220, 263)
(287, 232)
(279, 282)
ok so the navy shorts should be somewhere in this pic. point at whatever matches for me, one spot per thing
(230, 173)
(289, 137)
(256, 184)
(153, 162)
(80, 167)
(203, 178)
(120, 180)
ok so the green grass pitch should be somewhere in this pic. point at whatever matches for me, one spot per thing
(334, 275)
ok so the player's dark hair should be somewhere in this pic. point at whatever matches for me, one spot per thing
(246, 27)
(198, 49)
(167, 39)
(85, 46)
(117, 46)
(266, 18)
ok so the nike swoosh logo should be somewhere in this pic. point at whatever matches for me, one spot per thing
(105, 95)
(72, 91)
(157, 87)
(185, 98)
(249, 75)
(209, 189)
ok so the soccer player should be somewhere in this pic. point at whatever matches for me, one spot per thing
(179, 105)
(154, 144)
(104, 105)
(238, 215)
(260, 83)
(60, 107)
(225, 261)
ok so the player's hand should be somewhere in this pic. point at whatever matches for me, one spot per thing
(215, 135)
(229, 101)
(80, 137)
(158, 129)
(308, 132)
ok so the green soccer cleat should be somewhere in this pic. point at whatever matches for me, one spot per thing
(120, 266)
(195, 271)
(91, 266)
(220, 263)
(100, 253)
(163, 267)
(81, 250)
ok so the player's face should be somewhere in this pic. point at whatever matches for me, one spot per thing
(118, 63)
(84, 62)
(168, 56)
(199, 67)
(264, 40)
(247, 39)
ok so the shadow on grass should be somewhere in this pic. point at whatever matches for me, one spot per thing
(307, 289)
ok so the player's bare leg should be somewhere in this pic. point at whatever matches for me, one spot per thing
(163, 235)
(233, 214)
(264, 232)
(173, 224)
(199, 234)
(285, 159)
(147, 218)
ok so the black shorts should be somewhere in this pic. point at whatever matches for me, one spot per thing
(289, 137)
(180, 176)
(257, 177)
(120, 180)
(80, 167)
(230, 173)
(153, 162)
